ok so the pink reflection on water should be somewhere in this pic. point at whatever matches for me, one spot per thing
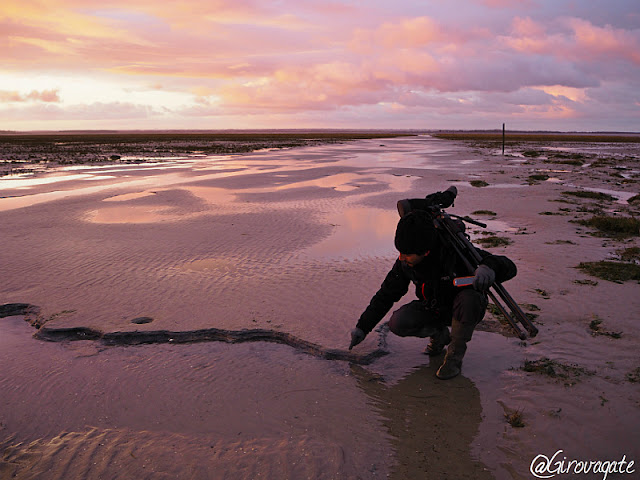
(359, 232)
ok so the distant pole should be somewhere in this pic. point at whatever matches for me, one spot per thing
(503, 139)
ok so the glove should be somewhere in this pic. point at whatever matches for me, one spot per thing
(485, 277)
(357, 335)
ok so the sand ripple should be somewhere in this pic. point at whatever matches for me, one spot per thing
(114, 453)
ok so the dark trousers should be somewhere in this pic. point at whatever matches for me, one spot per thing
(414, 320)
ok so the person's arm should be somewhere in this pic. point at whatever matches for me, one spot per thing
(393, 288)
(503, 267)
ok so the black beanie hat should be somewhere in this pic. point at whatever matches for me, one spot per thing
(415, 233)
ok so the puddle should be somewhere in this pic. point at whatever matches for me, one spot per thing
(359, 231)
(37, 181)
(129, 196)
(132, 214)
(342, 182)
(212, 195)
(21, 201)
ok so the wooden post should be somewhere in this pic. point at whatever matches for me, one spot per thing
(503, 139)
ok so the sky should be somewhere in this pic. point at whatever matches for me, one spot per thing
(563, 65)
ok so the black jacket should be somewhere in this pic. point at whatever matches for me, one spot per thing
(433, 280)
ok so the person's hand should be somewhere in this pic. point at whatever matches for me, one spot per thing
(357, 335)
(485, 277)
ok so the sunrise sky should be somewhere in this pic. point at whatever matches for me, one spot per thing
(214, 64)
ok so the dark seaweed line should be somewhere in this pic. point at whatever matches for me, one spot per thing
(138, 337)
(206, 335)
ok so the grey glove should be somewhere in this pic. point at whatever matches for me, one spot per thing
(357, 335)
(485, 277)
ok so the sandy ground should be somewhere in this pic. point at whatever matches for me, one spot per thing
(296, 241)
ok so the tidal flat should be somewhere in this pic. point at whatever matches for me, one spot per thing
(295, 241)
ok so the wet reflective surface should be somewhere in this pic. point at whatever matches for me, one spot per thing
(292, 241)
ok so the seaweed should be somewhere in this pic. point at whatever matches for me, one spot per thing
(515, 418)
(634, 375)
(596, 329)
(538, 177)
(478, 183)
(569, 373)
(485, 212)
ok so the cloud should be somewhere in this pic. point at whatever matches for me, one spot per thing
(288, 58)
(575, 39)
(48, 96)
(81, 112)
(406, 33)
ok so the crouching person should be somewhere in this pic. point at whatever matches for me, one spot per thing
(431, 265)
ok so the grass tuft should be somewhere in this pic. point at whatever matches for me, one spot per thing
(590, 195)
(631, 254)
(616, 227)
(494, 241)
(617, 272)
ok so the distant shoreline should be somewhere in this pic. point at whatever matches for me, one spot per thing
(135, 146)
(374, 132)
(512, 136)
(268, 131)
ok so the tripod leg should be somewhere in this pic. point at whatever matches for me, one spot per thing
(508, 316)
(511, 303)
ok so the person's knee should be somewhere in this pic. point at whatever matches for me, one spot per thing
(398, 324)
(469, 306)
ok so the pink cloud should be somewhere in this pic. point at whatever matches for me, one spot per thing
(7, 96)
(578, 39)
(44, 96)
(606, 41)
(94, 111)
(244, 56)
(406, 33)
(47, 96)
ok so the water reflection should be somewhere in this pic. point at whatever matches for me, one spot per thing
(358, 231)
(431, 422)
(132, 214)
(33, 181)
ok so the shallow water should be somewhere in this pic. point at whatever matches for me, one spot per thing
(81, 410)
(225, 242)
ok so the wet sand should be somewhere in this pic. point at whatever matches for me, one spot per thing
(296, 241)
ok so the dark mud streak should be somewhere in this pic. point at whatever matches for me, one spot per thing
(12, 309)
(205, 335)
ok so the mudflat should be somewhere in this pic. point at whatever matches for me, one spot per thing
(189, 317)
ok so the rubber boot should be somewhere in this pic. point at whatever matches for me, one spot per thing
(441, 339)
(452, 365)
(468, 310)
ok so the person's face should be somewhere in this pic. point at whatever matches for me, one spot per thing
(412, 259)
